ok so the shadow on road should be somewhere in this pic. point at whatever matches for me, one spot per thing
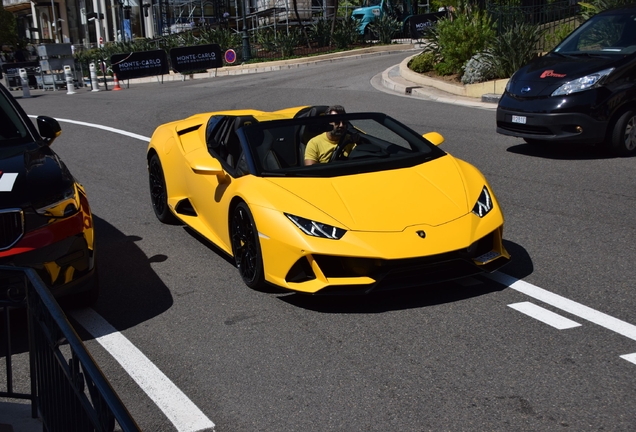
(130, 291)
(561, 151)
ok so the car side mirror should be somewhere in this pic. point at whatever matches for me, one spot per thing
(434, 137)
(49, 128)
(207, 166)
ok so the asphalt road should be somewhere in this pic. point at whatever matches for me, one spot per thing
(453, 357)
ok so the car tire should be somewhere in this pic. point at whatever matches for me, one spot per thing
(159, 192)
(246, 247)
(623, 140)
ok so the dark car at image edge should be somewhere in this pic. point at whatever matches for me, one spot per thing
(45, 219)
(581, 92)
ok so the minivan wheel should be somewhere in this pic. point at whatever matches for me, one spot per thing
(624, 134)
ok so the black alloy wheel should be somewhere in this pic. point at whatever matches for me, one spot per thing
(623, 140)
(246, 247)
(158, 192)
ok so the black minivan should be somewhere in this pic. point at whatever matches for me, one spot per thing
(583, 91)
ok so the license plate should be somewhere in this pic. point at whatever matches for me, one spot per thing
(519, 119)
(487, 257)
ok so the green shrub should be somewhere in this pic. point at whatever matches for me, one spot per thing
(385, 28)
(320, 32)
(423, 62)
(443, 69)
(346, 32)
(466, 33)
(430, 42)
(514, 48)
(286, 41)
(478, 69)
(595, 6)
(267, 39)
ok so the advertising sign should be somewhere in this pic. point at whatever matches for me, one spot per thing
(196, 58)
(419, 23)
(140, 64)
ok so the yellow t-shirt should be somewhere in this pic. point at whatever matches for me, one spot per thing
(320, 148)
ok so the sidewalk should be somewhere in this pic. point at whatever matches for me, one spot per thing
(15, 416)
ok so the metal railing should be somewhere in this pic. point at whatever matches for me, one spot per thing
(549, 16)
(68, 390)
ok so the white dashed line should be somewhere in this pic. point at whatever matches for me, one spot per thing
(609, 322)
(614, 324)
(629, 357)
(179, 409)
(545, 316)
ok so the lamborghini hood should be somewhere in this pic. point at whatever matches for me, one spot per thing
(431, 194)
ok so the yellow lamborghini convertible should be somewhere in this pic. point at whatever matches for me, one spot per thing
(392, 211)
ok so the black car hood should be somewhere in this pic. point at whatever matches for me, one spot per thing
(545, 74)
(41, 176)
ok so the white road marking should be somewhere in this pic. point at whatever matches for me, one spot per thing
(614, 324)
(179, 409)
(630, 357)
(7, 180)
(106, 128)
(545, 316)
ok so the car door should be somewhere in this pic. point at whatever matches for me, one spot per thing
(210, 195)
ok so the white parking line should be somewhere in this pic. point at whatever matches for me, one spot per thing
(545, 316)
(106, 128)
(180, 410)
(621, 327)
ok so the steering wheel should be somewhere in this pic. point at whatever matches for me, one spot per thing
(338, 153)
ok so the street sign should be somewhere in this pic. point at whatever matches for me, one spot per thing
(230, 56)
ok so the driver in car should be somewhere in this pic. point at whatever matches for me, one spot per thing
(321, 147)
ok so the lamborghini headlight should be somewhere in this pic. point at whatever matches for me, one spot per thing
(63, 204)
(316, 229)
(484, 203)
(585, 83)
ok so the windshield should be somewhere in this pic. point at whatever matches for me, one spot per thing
(12, 130)
(605, 34)
(371, 142)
